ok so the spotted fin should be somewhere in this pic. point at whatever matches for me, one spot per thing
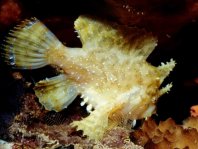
(27, 45)
(55, 93)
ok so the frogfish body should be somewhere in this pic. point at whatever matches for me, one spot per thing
(109, 71)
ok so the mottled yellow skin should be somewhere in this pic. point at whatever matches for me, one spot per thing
(110, 71)
(112, 75)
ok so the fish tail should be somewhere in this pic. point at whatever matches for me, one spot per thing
(28, 44)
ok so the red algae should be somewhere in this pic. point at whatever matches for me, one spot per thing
(10, 11)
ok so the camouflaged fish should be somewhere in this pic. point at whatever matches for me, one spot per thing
(109, 71)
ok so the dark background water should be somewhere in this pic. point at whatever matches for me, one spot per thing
(175, 27)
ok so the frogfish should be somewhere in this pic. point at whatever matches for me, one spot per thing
(110, 71)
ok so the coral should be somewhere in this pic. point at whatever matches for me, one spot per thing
(167, 134)
(30, 109)
(33, 127)
(191, 122)
(10, 11)
(194, 111)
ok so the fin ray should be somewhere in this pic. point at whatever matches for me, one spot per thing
(29, 44)
(55, 93)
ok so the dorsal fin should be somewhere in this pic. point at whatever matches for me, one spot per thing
(95, 33)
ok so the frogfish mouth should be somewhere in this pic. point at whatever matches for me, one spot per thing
(109, 71)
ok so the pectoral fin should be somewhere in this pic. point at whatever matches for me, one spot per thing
(95, 125)
(55, 93)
